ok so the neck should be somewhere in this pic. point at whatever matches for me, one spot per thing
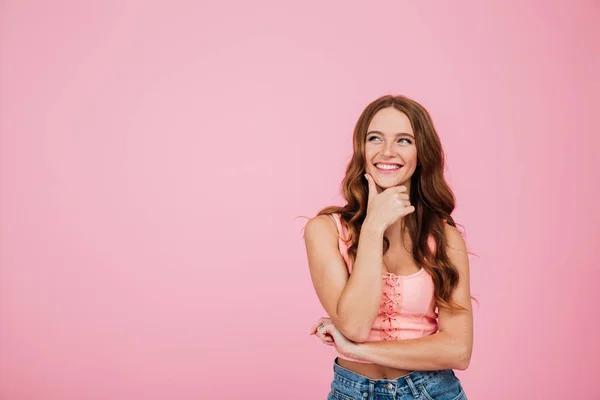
(405, 184)
(396, 231)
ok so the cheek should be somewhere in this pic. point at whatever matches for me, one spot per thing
(410, 155)
(368, 157)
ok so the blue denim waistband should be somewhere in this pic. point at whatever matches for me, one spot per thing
(403, 384)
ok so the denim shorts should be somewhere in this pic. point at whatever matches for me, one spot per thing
(425, 385)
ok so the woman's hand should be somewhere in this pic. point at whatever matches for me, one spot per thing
(387, 207)
(314, 330)
(331, 336)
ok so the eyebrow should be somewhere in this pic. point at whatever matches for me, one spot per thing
(397, 134)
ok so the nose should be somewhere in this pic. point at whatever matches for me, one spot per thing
(388, 149)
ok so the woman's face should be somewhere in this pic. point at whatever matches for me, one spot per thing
(390, 151)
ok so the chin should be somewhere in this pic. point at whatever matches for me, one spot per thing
(389, 182)
(386, 184)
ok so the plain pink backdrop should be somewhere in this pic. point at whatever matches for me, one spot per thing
(154, 158)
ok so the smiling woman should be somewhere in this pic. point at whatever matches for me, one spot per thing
(390, 268)
(391, 155)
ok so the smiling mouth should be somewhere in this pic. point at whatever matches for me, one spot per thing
(388, 167)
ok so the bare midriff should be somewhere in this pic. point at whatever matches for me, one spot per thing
(373, 371)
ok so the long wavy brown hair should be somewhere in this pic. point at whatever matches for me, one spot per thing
(429, 194)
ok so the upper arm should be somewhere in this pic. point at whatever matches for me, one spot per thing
(459, 324)
(328, 269)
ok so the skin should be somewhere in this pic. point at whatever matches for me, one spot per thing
(390, 139)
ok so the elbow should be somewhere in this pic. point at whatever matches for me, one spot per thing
(355, 335)
(353, 330)
(458, 351)
(462, 365)
(360, 337)
(463, 360)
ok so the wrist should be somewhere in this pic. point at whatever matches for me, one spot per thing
(356, 351)
(372, 228)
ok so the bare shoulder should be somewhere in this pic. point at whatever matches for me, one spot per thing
(457, 251)
(454, 238)
(320, 228)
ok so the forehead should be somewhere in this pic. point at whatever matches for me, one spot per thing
(390, 121)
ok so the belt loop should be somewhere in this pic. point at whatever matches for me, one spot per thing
(412, 386)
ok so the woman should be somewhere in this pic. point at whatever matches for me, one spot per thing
(390, 268)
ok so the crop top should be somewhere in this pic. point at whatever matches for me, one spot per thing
(407, 308)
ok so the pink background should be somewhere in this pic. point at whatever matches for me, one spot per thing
(154, 158)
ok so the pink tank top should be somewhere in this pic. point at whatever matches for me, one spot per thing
(407, 308)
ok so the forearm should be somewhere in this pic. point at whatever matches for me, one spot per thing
(432, 352)
(360, 300)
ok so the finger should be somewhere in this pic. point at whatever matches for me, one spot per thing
(321, 321)
(408, 210)
(331, 331)
(327, 330)
(398, 189)
(328, 342)
(324, 337)
(403, 196)
(372, 187)
(313, 328)
(319, 324)
(403, 202)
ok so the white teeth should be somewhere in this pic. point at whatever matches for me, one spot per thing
(385, 166)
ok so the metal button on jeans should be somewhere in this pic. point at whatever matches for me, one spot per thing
(365, 394)
(389, 386)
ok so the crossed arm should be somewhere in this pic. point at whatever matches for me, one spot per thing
(450, 347)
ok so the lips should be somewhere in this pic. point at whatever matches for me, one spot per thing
(388, 167)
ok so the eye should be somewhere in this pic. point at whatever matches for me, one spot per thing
(408, 141)
(370, 139)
